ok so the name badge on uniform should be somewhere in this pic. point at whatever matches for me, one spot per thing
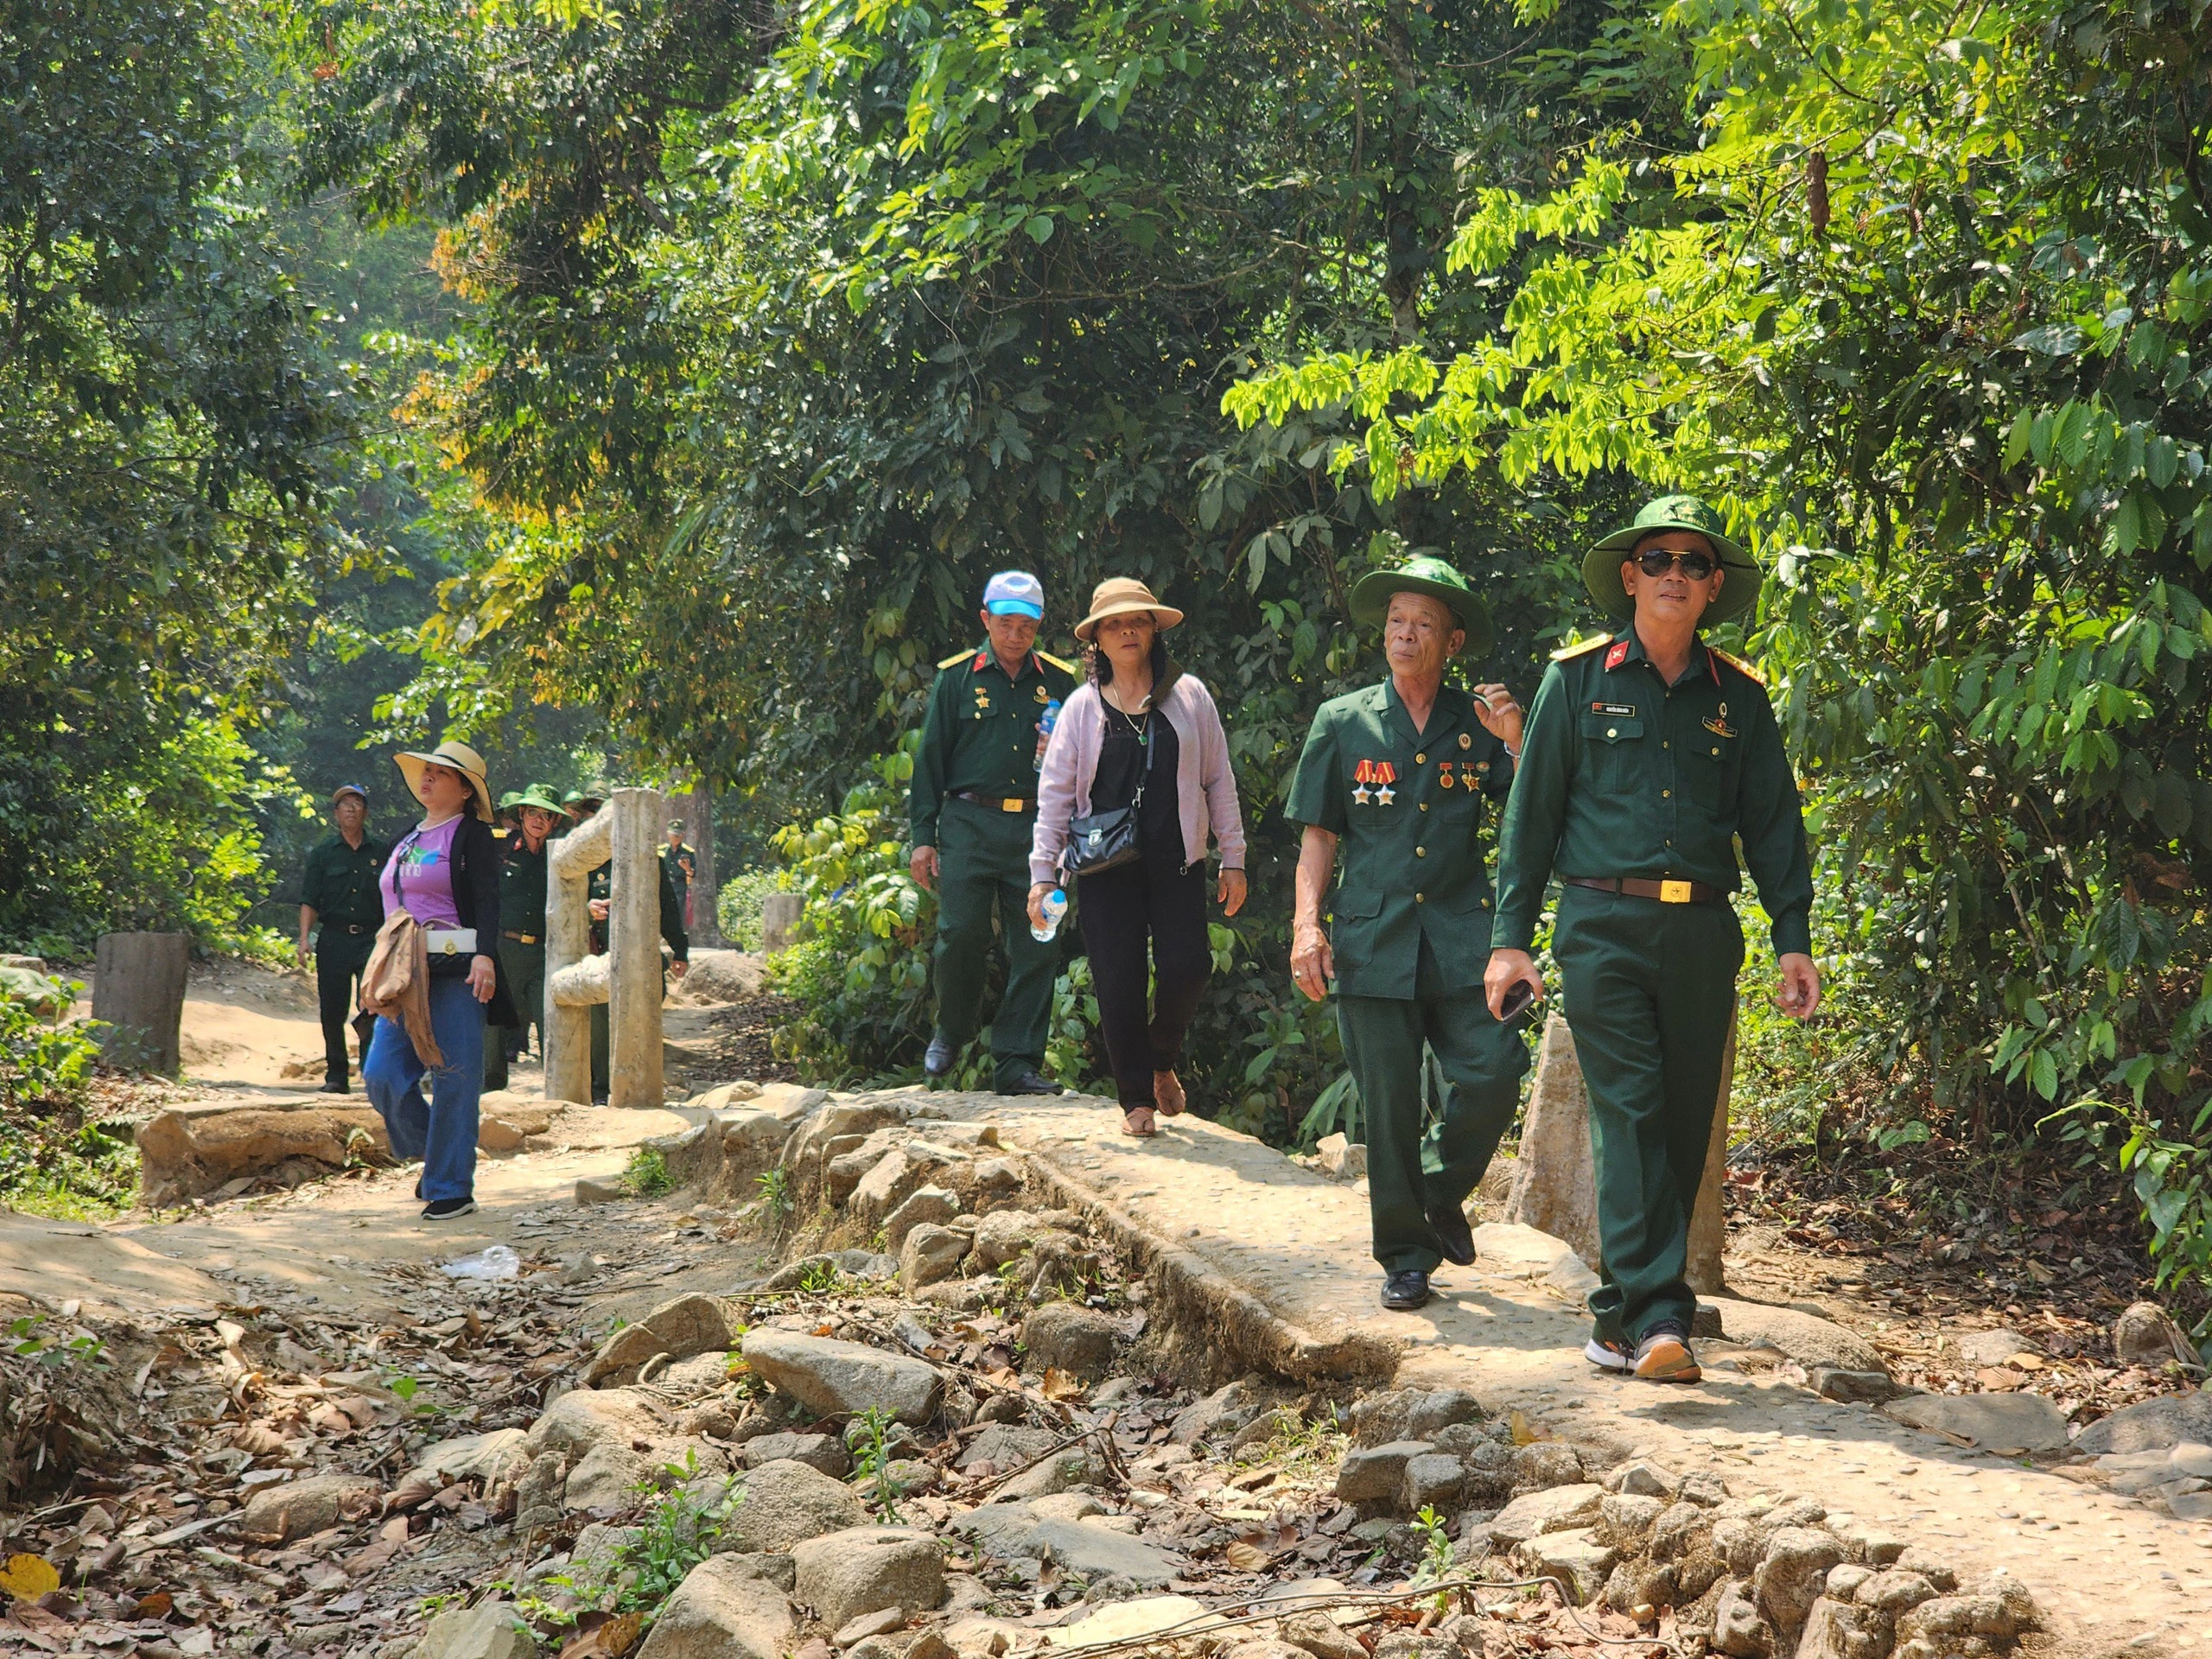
(1625, 709)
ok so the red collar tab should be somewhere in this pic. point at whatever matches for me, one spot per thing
(1618, 655)
(983, 660)
(1712, 665)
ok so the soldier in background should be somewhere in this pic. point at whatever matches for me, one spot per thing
(338, 890)
(681, 859)
(522, 927)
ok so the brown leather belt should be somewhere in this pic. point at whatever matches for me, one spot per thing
(998, 802)
(1667, 893)
(519, 939)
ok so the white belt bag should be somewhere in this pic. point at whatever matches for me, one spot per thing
(450, 941)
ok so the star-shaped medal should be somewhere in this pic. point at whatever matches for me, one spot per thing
(1385, 795)
(1359, 794)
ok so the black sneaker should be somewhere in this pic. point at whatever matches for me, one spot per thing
(334, 1086)
(448, 1209)
(1454, 1236)
(1032, 1083)
(938, 1060)
(1405, 1291)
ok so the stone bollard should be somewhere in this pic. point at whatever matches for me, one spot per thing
(779, 914)
(628, 978)
(1554, 1183)
(138, 989)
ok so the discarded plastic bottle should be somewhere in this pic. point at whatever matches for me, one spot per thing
(1056, 907)
(1045, 722)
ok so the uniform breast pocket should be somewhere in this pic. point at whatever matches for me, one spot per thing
(1714, 763)
(1614, 746)
(1353, 936)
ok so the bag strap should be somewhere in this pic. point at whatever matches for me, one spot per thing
(1145, 776)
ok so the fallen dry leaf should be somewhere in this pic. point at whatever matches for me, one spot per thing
(1060, 1385)
(26, 1577)
(1246, 1557)
(155, 1605)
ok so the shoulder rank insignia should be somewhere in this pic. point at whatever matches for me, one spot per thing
(1580, 647)
(1739, 664)
(956, 656)
(1064, 668)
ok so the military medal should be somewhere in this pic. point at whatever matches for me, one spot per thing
(1386, 772)
(1371, 780)
(1444, 775)
(1466, 742)
(1718, 726)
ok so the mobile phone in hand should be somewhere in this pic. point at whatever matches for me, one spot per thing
(1517, 1001)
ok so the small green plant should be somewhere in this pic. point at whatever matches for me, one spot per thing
(647, 1175)
(872, 1460)
(675, 1533)
(406, 1389)
(821, 1279)
(775, 1188)
(1435, 1553)
(29, 1341)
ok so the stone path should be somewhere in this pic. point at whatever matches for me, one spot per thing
(2109, 1575)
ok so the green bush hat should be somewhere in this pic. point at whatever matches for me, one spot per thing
(538, 795)
(509, 801)
(1601, 565)
(1421, 574)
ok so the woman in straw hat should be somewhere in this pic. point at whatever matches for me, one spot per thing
(1145, 736)
(445, 873)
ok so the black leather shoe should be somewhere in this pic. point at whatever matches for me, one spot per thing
(1032, 1083)
(938, 1060)
(1404, 1292)
(1453, 1237)
(333, 1086)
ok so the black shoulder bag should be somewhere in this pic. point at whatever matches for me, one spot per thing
(1099, 841)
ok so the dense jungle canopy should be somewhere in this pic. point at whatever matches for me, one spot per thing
(767, 331)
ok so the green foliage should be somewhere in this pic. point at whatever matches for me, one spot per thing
(1435, 1552)
(872, 1462)
(737, 902)
(647, 1174)
(53, 1160)
(775, 1189)
(42, 1065)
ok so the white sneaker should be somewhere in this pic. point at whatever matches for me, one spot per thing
(1606, 1357)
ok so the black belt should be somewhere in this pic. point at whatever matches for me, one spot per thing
(521, 938)
(1667, 893)
(348, 927)
(998, 802)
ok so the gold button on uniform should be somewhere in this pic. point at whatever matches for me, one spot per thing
(1424, 806)
(1420, 852)
(1666, 794)
(1420, 760)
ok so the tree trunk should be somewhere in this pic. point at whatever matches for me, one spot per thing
(705, 894)
(138, 989)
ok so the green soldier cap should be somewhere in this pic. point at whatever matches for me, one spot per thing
(509, 801)
(538, 795)
(1601, 565)
(1370, 596)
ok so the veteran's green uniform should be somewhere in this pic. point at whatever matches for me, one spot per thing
(1623, 776)
(601, 886)
(975, 799)
(1410, 937)
(340, 884)
(522, 948)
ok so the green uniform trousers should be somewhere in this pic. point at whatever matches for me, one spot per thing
(1650, 989)
(522, 967)
(1409, 1174)
(983, 864)
(339, 958)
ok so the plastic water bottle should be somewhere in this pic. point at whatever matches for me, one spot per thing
(1045, 722)
(1056, 907)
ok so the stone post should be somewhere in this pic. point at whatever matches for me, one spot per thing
(634, 940)
(568, 944)
(1555, 1183)
(138, 989)
(779, 914)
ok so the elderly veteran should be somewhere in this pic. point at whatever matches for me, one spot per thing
(338, 892)
(1397, 776)
(1648, 754)
(972, 809)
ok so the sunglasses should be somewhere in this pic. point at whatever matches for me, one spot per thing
(1658, 560)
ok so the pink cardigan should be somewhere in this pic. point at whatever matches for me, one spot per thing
(1205, 788)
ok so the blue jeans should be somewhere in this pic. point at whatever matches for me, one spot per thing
(442, 1132)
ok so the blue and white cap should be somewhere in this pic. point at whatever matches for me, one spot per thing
(1014, 593)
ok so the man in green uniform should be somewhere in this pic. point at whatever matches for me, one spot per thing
(339, 890)
(522, 928)
(681, 859)
(1648, 755)
(972, 810)
(1396, 774)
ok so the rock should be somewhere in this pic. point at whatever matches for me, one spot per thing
(1066, 1506)
(723, 1095)
(1738, 1629)
(783, 1504)
(537, 1493)
(701, 1373)
(1843, 1581)
(1015, 1532)
(1374, 1472)
(2002, 1422)
(861, 1570)
(1643, 1478)
(1557, 1509)
(1073, 1466)
(606, 1478)
(722, 1611)
(1926, 1564)
(1839, 1630)
(2150, 1425)
(1069, 1337)
(1431, 1480)
(1411, 1414)
(190, 1151)
(582, 1417)
(490, 1630)
(313, 1504)
(593, 1557)
(492, 1458)
(1230, 1406)
(1131, 1621)
(824, 1451)
(995, 1181)
(1981, 1348)
(1792, 1572)
(1628, 1516)
(1574, 1557)
(1872, 1545)
(1679, 1530)
(1320, 1636)
(882, 1622)
(932, 1204)
(2143, 1335)
(892, 1180)
(1340, 1160)
(1893, 1591)
(1997, 1610)
(1852, 1388)
(1806, 1337)
(590, 1192)
(930, 1254)
(1545, 1462)
(1007, 1447)
(1003, 1236)
(829, 1376)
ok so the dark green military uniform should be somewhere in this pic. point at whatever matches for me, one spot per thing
(340, 884)
(601, 886)
(1410, 934)
(1622, 775)
(522, 949)
(974, 800)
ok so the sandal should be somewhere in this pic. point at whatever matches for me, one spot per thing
(1167, 1089)
(1138, 1121)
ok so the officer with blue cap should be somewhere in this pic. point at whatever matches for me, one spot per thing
(973, 807)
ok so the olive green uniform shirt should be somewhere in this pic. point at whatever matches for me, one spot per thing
(340, 881)
(1624, 775)
(1407, 807)
(522, 888)
(981, 732)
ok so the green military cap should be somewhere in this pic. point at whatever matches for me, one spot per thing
(538, 795)
(591, 792)
(1601, 565)
(511, 800)
(1422, 573)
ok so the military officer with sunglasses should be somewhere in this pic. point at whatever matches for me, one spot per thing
(1648, 753)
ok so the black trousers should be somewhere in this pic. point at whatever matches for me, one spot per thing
(339, 958)
(1124, 912)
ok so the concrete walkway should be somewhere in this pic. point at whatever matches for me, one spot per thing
(2109, 1574)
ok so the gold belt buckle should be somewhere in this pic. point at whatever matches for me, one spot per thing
(1675, 892)
(1010, 804)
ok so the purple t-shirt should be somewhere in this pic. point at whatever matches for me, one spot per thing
(418, 876)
